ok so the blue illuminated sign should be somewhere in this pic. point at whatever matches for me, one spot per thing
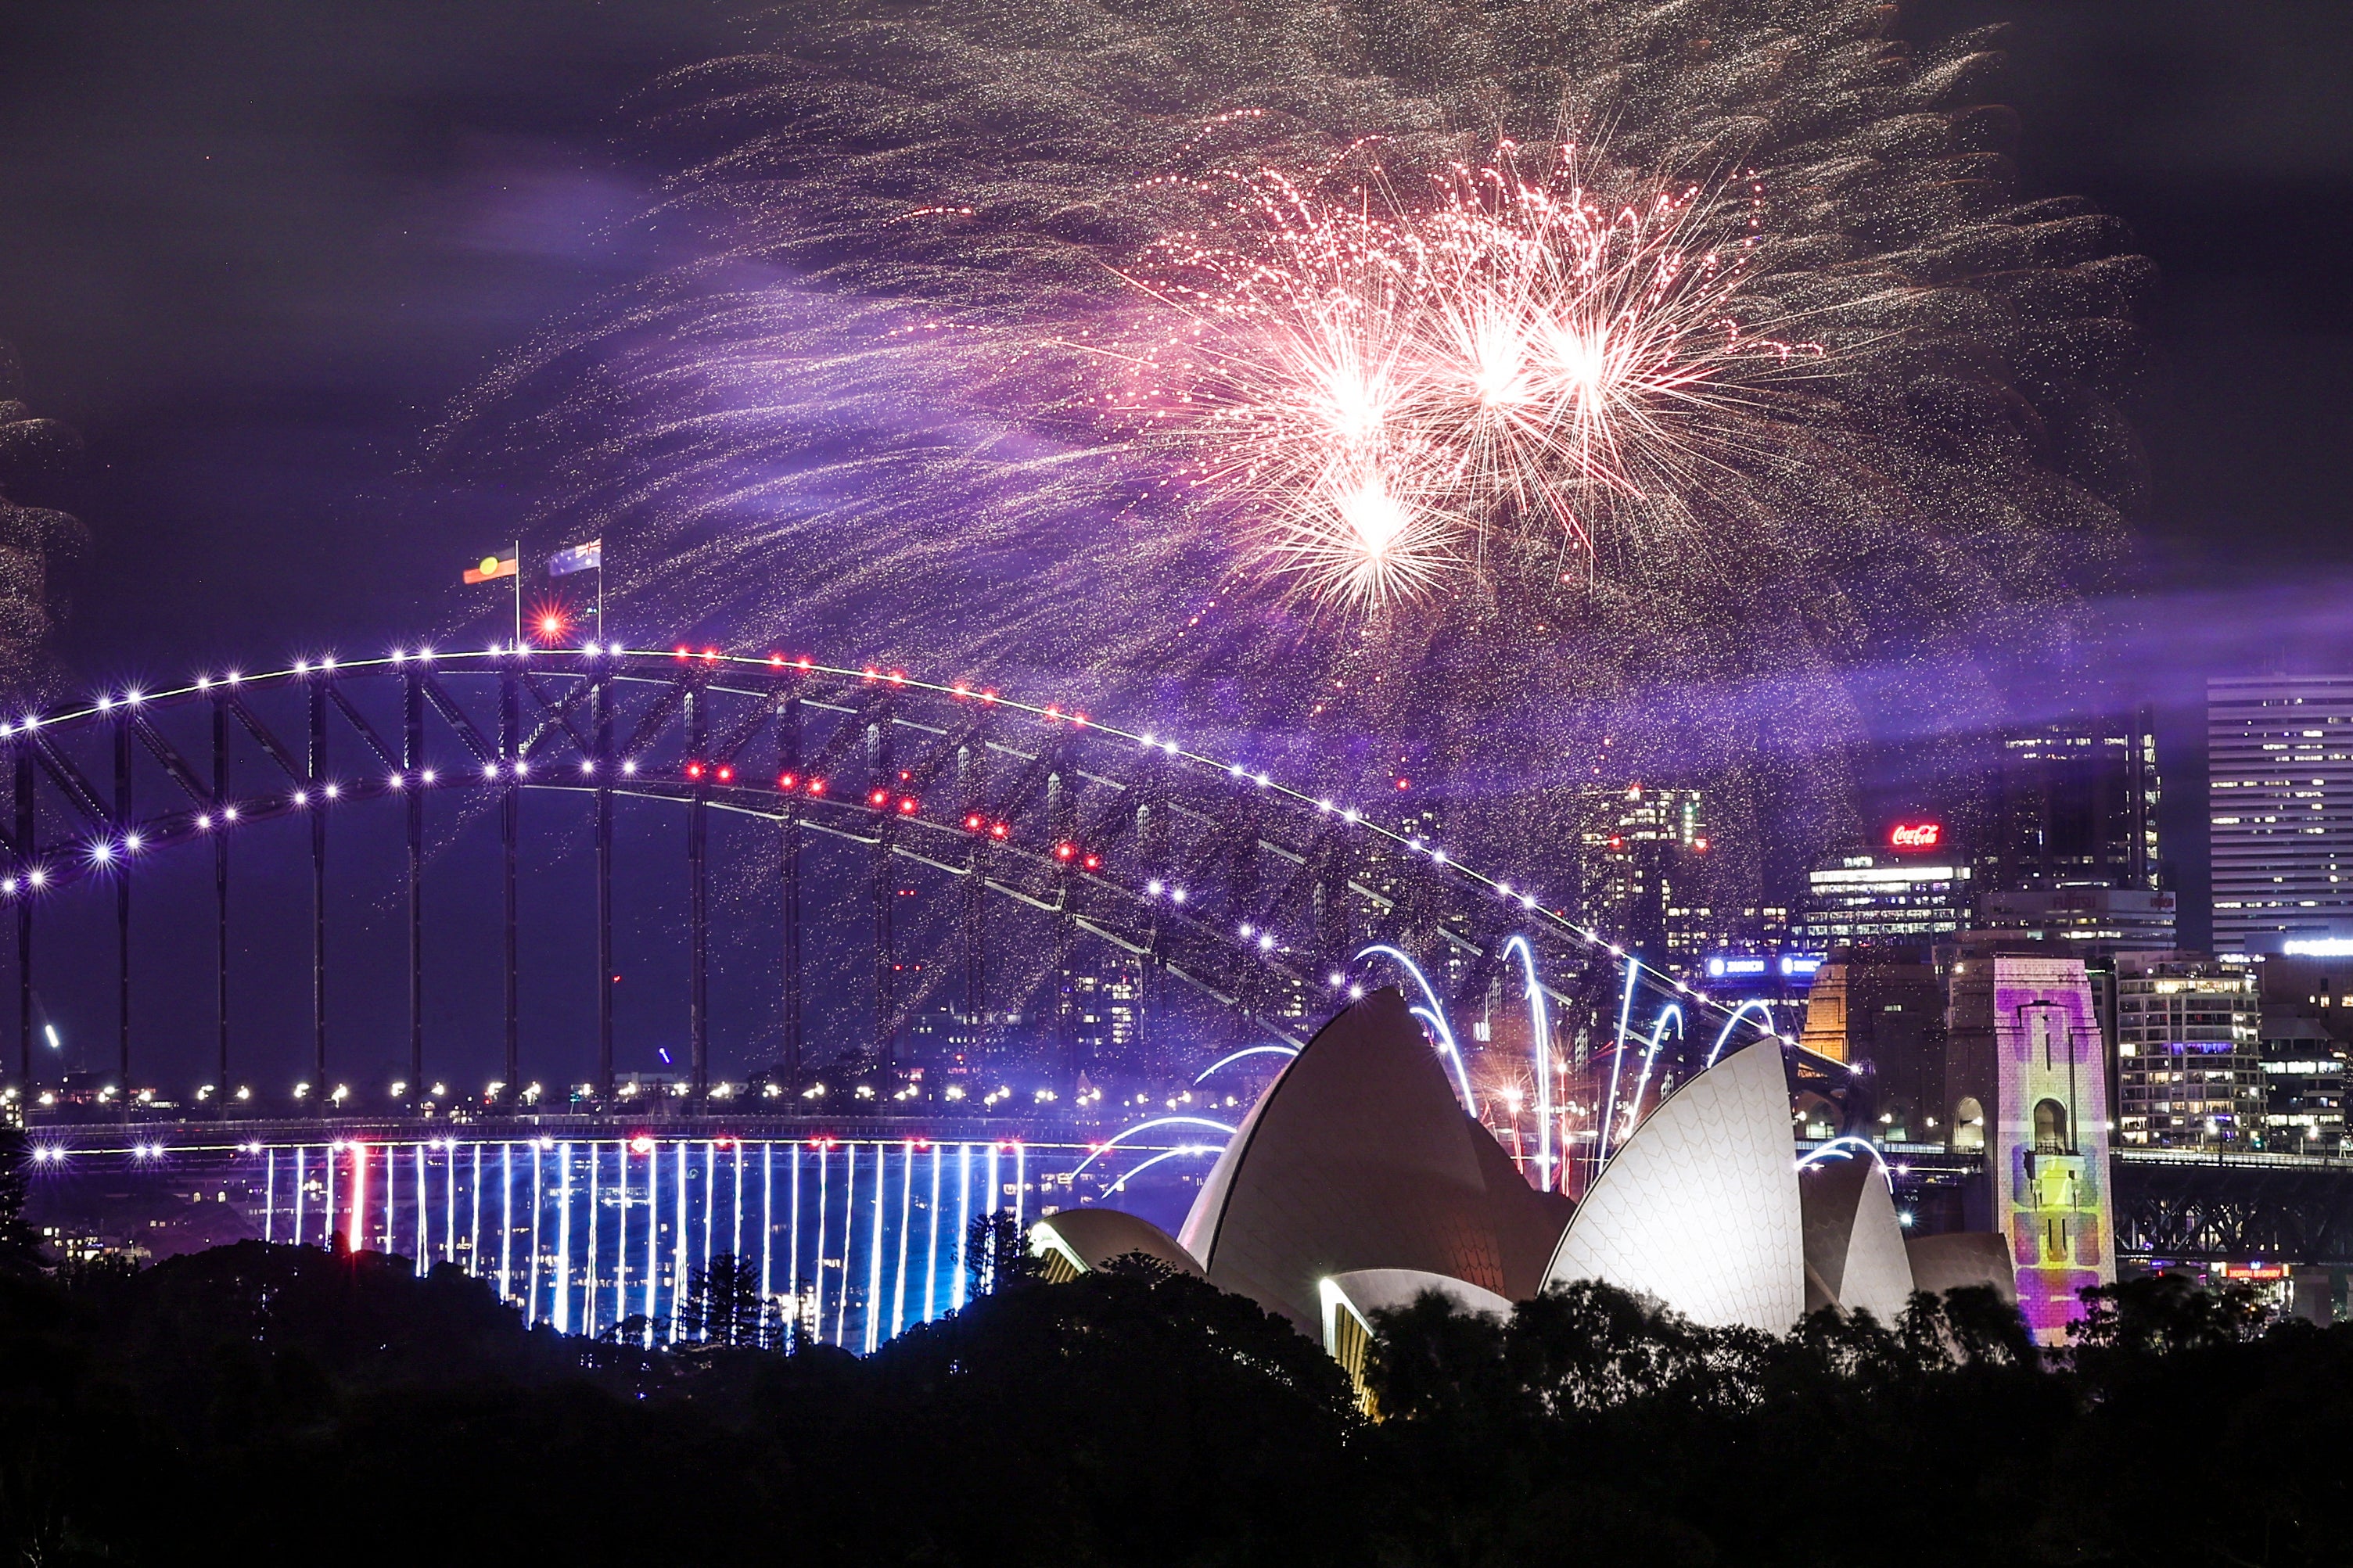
(1756, 966)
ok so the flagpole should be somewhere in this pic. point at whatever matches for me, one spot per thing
(518, 577)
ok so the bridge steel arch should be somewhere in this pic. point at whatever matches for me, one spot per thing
(1209, 873)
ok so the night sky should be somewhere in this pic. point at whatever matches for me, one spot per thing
(253, 248)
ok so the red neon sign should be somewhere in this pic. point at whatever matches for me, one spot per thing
(1915, 835)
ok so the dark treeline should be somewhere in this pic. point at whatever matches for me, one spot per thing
(283, 1404)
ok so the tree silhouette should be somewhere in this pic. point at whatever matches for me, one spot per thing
(724, 1306)
(1143, 1416)
(20, 1244)
(996, 1254)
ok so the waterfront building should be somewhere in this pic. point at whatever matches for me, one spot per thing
(2188, 1053)
(1359, 1182)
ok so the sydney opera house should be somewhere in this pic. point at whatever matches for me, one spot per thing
(1359, 1182)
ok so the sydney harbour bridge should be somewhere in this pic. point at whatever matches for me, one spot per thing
(943, 854)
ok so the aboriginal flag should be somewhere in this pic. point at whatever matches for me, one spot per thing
(493, 568)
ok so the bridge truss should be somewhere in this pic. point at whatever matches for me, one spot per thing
(1266, 901)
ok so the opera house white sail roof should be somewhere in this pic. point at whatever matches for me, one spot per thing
(1699, 1208)
(1086, 1238)
(1358, 1156)
(1358, 1180)
(1855, 1245)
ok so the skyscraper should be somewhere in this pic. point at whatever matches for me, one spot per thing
(1640, 843)
(2280, 765)
(2074, 806)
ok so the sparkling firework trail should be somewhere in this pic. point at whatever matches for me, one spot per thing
(1371, 384)
(1005, 343)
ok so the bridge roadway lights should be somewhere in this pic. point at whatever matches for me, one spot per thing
(1170, 852)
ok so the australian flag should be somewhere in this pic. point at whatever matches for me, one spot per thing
(588, 557)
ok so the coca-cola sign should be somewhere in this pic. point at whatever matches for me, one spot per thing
(1914, 835)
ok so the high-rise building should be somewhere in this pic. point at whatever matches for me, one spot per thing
(2307, 1051)
(2280, 769)
(2317, 988)
(1708, 926)
(1643, 847)
(2083, 922)
(2188, 1053)
(1913, 891)
(2075, 805)
(2304, 1072)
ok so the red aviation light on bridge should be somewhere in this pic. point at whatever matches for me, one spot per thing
(1065, 851)
(641, 1145)
(989, 695)
(817, 786)
(879, 797)
(786, 781)
(681, 653)
(726, 775)
(1093, 862)
(999, 830)
(872, 673)
(974, 822)
(907, 805)
(694, 770)
(898, 677)
(776, 661)
(711, 656)
(1914, 837)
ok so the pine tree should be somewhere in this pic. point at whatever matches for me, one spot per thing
(725, 1307)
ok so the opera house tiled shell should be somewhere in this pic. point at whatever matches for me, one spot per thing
(1359, 1157)
(1075, 1241)
(1942, 1263)
(1854, 1245)
(1359, 1182)
(1700, 1210)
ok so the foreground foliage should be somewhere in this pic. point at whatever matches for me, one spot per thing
(282, 1402)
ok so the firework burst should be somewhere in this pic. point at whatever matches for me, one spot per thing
(965, 355)
(1368, 384)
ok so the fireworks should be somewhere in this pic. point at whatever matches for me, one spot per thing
(1371, 384)
(980, 361)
